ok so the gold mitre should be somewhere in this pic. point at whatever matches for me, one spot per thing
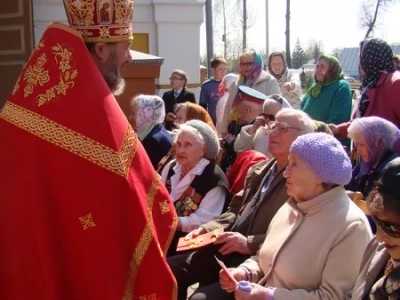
(101, 21)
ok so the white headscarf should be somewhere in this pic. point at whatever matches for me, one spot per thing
(151, 111)
(226, 83)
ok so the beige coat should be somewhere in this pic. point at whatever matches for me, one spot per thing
(294, 95)
(313, 249)
(265, 84)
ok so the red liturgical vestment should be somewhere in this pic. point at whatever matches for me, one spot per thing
(83, 215)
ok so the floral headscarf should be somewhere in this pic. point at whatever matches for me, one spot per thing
(258, 66)
(335, 72)
(277, 76)
(151, 111)
(376, 58)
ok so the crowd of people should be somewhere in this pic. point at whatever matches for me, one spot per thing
(301, 194)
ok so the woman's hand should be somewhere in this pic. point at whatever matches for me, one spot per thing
(226, 282)
(334, 128)
(233, 242)
(257, 292)
(288, 86)
(258, 122)
(195, 233)
(179, 225)
(170, 117)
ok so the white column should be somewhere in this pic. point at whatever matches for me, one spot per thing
(178, 38)
(45, 12)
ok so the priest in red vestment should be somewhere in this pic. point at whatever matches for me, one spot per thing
(83, 214)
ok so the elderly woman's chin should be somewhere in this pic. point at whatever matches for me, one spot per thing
(319, 77)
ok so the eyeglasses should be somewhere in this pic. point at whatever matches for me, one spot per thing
(175, 78)
(391, 229)
(246, 64)
(281, 127)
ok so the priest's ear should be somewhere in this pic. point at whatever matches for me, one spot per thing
(100, 51)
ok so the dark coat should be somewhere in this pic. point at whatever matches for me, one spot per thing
(170, 100)
(157, 144)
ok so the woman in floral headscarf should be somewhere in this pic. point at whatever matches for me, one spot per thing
(251, 74)
(380, 85)
(147, 116)
(329, 98)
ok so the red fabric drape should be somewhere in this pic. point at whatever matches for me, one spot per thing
(83, 215)
(237, 174)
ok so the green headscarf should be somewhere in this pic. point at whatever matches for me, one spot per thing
(335, 72)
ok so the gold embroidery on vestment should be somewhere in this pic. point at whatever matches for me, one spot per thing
(148, 297)
(36, 74)
(74, 142)
(143, 243)
(66, 65)
(164, 206)
(87, 221)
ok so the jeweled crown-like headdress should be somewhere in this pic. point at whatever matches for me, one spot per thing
(101, 21)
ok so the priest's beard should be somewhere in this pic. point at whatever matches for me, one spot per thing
(113, 76)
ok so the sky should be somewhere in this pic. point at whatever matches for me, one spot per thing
(334, 22)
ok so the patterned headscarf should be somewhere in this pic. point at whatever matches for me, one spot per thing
(277, 76)
(258, 66)
(376, 58)
(151, 111)
(334, 73)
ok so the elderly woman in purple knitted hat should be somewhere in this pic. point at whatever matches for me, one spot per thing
(316, 240)
(374, 138)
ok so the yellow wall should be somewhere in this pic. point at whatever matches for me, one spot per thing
(140, 42)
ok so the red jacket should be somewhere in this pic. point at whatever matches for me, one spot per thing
(384, 101)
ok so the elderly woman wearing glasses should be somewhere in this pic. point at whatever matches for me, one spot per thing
(380, 268)
(314, 243)
(255, 136)
(251, 74)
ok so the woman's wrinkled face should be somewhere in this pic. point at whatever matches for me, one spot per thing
(301, 182)
(392, 244)
(321, 70)
(362, 147)
(277, 64)
(181, 115)
(132, 116)
(189, 150)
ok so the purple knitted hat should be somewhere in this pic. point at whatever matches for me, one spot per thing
(325, 156)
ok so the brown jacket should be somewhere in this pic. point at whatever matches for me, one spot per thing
(273, 199)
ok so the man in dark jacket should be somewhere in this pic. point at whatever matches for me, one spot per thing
(178, 94)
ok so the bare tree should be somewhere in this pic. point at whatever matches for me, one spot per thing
(226, 14)
(370, 11)
(288, 52)
(337, 52)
